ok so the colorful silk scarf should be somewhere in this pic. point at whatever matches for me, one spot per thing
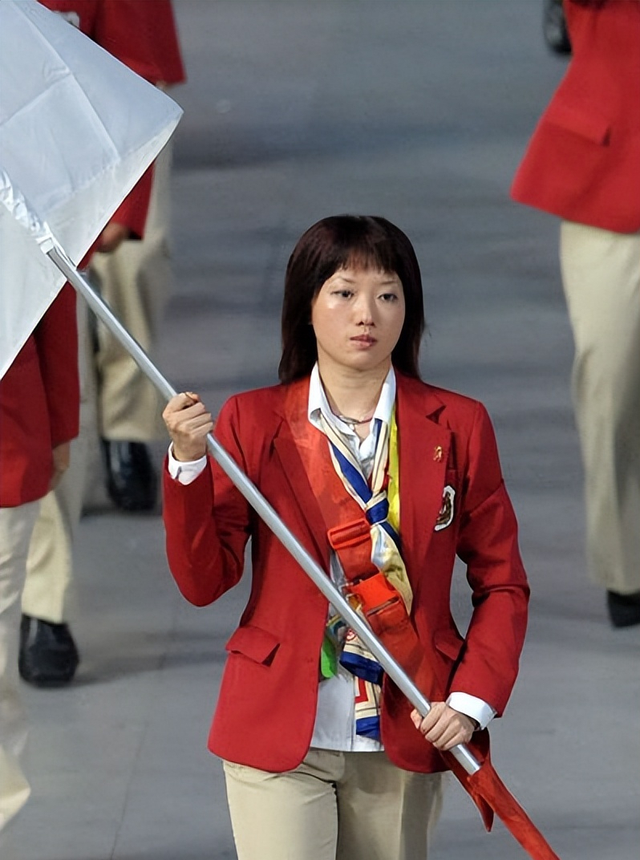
(379, 499)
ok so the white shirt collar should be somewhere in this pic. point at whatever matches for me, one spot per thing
(318, 402)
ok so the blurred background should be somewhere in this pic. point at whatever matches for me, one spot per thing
(418, 110)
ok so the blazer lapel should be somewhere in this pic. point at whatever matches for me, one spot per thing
(423, 453)
(294, 432)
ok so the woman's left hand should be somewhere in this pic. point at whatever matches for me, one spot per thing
(444, 727)
(61, 458)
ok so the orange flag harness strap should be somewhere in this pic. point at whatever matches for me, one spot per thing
(351, 535)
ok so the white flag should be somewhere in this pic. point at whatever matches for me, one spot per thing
(77, 131)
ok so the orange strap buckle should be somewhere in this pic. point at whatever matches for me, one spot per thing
(350, 534)
(352, 543)
(373, 592)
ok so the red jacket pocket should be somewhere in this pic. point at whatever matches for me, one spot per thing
(583, 123)
(253, 642)
(448, 643)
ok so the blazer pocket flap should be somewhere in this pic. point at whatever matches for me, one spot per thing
(586, 124)
(253, 642)
(448, 644)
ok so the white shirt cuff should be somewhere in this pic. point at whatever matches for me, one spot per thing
(472, 707)
(185, 471)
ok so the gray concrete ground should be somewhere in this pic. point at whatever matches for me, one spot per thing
(419, 111)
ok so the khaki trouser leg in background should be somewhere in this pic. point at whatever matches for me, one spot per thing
(334, 806)
(48, 589)
(601, 277)
(16, 525)
(135, 281)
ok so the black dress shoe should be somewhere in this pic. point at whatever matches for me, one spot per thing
(48, 654)
(131, 479)
(624, 609)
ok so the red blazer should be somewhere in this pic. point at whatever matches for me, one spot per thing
(267, 701)
(39, 403)
(583, 161)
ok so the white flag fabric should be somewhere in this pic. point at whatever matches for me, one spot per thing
(77, 131)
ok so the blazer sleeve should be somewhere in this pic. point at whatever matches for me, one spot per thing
(207, 524)
(132, 212)
(488, 544)
(56, 339)
(39, 403)
(143, 36)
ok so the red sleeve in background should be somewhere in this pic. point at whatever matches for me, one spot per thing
(56, 338)
(143, 36)
(132, 212)
(39, 403)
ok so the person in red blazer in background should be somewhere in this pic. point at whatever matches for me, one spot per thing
(323, 761)
(39, 400)
(583, 165)
(39, 417)
(132, 279)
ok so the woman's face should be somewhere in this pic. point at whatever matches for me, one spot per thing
(357, 318)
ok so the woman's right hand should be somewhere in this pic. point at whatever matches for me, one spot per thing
(188, 423)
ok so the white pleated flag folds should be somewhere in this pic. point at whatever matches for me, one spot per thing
(77, 131)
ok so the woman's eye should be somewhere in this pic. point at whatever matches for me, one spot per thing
(389, 297)
(343, 294)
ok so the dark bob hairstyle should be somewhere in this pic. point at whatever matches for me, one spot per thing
(338, 242)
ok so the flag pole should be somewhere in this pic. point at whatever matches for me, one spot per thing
(479, 779)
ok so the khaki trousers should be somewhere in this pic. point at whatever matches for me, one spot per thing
(48, 589)
(135, 282)
(16, 525)
(601, 277)
(334, 806)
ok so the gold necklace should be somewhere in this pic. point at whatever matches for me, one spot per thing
(353, 422)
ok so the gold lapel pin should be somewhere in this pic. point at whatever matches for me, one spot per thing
(437, 453)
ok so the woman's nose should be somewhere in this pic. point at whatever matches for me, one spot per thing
(364, 308)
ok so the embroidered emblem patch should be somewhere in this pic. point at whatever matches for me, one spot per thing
(445, 516)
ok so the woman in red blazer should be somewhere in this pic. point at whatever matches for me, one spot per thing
(583, 164)
(305, 778)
